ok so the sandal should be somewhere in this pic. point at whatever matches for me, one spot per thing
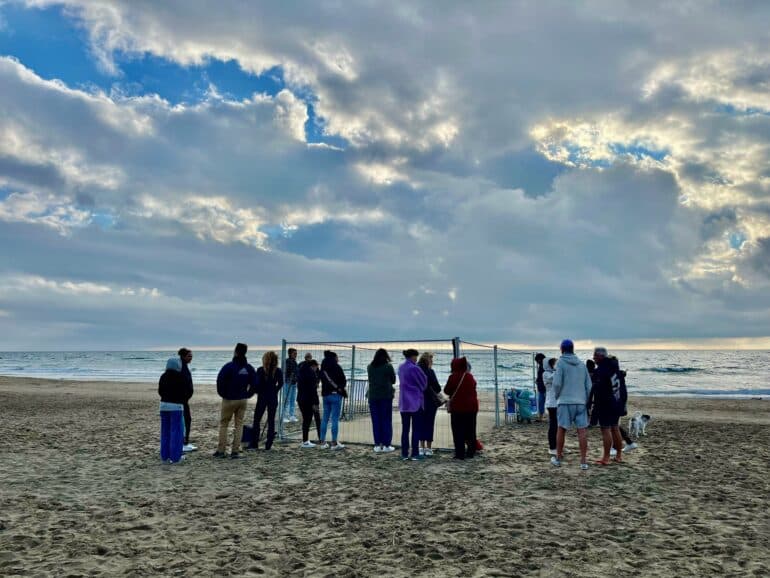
(602, 463)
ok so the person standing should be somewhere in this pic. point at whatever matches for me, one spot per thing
(236, 383)
(411, 402)
(572, 388)
(290, 392)
(608, 400)
(186, 357)
(539, 359)
(307, 399)
(173, 391)
(463, 406)
(269, 383)
(333, 384)
(382, 378)
(550, 404)
(432, 403)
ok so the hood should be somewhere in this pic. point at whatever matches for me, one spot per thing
(240, 360)
(571, 358)
(459, 365)
(174, 364)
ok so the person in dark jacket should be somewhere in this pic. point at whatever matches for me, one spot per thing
(464, 406)
(608, 401)
(593, 415)
(269, 383)
(333, 384)
(432, 403)
(290, 391)
(307, 399)
(186, 356)
(173, 391)
(236, 383)
(539, 359)
(382, 378)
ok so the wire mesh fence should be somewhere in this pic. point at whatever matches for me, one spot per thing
(497, 370)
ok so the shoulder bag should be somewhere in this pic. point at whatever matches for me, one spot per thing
(449, 401)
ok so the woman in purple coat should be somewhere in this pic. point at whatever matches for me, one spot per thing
(411, 402)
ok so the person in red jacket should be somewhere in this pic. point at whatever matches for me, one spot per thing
(463, 406)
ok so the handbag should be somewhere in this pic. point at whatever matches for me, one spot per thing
(449, 401)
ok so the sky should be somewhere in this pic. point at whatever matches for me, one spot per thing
(200, 173)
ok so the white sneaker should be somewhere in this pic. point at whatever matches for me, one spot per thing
(307, 444)
(613, 452)
(422, 451)
(377, 449)
(428, 452)
(286, 420)
(339, 446)
(189, 448)
(388, 449)
(552, 452)
(631, 446)
(293, 419)
(325, 446)
(555, 461)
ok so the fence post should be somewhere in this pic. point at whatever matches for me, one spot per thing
(456, 347)
(497, 390)
(349, 401)
(282, 399)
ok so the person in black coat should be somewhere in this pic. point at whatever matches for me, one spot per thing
(186, 356)
(333, 391)
(173, 391)
(269, 383)
(432, 402)
(307, 399)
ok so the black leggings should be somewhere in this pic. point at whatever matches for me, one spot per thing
(263, 404)
(187, 423)
(552, 427)
(464, 434)
(308, 413)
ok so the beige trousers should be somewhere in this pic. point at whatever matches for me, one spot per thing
(230, 408)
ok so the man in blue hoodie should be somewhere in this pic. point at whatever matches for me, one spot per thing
(236, 383)
(572, 388)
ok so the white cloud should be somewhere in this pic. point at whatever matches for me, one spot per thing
(48, 210)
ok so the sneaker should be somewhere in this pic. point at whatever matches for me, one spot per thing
(631, 446)
(286, 420)
(583, 466)
(377, 449)
(422, 451)
(552, 452)
(555, 461)
(339, 446)
(387, 449)
(417, 458)
(189, 448)
(293, 419)
(219, 455)
(236, 456)
(428, 452)
(325, 446)
(307, 444)
(404, 458)
(613, 452)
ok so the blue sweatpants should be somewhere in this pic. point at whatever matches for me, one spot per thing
(382, 421)
(171, 435)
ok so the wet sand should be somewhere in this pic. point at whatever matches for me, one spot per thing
(82, 493)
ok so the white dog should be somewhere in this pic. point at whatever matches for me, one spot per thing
(637, 425)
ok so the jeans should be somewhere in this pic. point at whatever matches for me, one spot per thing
(552, 427)
(464, 434)
(289, 400)
(332, 410)
(382, 421)
(428, 424)
(308, 413)
(171, 435)
(540, 402)
(410, 419)
(231, 408)
(271, 405)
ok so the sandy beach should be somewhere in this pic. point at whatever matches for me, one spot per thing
(82, 493)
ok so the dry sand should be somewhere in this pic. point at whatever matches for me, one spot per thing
(82, 492)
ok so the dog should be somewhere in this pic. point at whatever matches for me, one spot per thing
(637, 425)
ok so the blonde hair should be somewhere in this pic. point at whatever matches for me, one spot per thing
(425, 358)
(270, 362)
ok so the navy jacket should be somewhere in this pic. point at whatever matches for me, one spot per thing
(236, 380)
(609, 387)
(268, 387)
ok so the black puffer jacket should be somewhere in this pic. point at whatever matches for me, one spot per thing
(173, 387)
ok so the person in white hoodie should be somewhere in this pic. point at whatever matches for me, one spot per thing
(572, 388)
(550, 403)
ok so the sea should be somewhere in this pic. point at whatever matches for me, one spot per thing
(738, 374)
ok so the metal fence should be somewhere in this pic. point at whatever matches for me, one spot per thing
(497, 371)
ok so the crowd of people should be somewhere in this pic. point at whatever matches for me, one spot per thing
(572, 393)
(583, 395)
(420, 397)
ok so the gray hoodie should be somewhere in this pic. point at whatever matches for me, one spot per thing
(571, 382)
